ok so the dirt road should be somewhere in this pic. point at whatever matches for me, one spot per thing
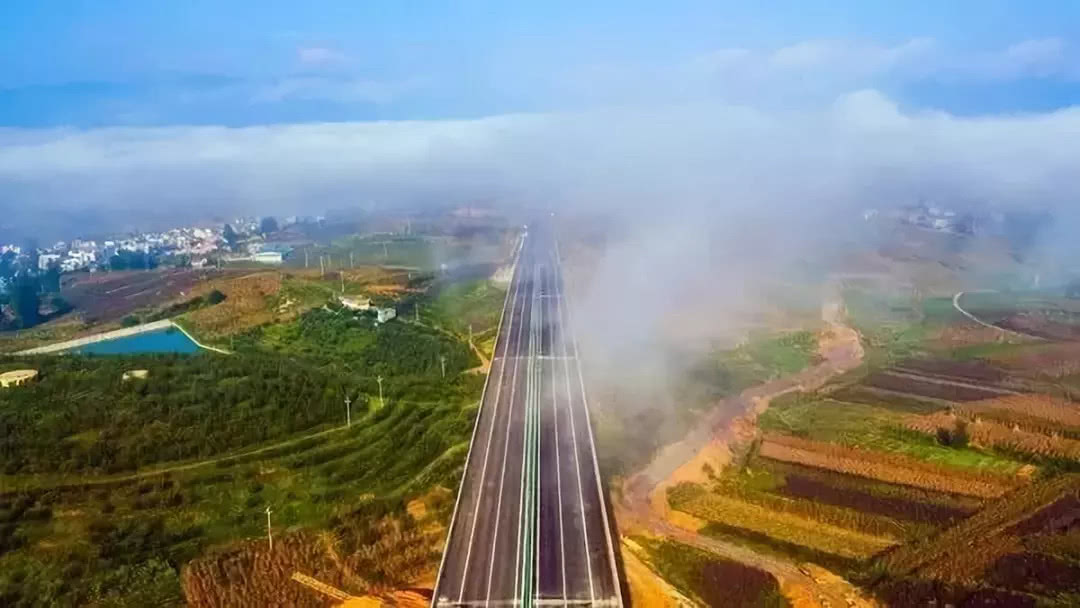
(643, 504)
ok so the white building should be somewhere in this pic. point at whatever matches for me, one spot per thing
(47, 259)
(382, 315)
(268, 257)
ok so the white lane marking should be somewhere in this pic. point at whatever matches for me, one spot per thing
(558, 466)
(592, 443)
(537, 503)
(577, 470)
(524, 448)
(487, 451)
(506, 450)
(511, 295)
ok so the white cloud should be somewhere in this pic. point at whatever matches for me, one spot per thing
(319, 55)
(340, 90)
(838, 64)
(692, 157)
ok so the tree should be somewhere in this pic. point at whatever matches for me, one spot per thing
(50, 281)
(25, 299)
(231, 236)
(7, 265)
(1073, 290)
(215, 297)
(268, 225)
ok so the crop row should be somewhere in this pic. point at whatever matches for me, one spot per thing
(951, 503)
(1044, 407)
(797, 486)
(981, 537)
(928, 387)
(889, 468)
(992, 434)
(786, 527)
(808, 507)
(968, 370)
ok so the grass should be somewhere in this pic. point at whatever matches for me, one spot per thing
(784, 526)
(785, 354)
(389, 455)
(861, 426)
(457, 307)
(79, 543)
(763, 357)
(713, 580)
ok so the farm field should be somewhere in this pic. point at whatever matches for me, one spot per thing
(421, 253)
(944, 471)
(1042, 314)
(153, 491)
(102, 301)
(708, 579)
(110, 296)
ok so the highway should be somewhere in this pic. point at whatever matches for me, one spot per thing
(530, 526)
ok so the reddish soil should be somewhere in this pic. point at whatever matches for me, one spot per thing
(818, 491)
(1035, 572)
(109, 296)
(1059, 517)
(1042, 326)
(968, 370)
(932, 387)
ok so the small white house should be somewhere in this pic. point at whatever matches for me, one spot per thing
(382, 315)
(268, 257)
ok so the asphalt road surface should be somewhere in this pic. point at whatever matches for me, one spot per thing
(530, 525)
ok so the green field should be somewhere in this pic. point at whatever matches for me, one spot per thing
(425, 253)
(110, 487)
(863, 426)
(712, 580)
(629, 439)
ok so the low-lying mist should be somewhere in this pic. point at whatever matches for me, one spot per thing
(707, 207)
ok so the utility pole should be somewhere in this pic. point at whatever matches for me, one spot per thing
(322, 268)
(269, 532)
(305, 258)
(382, 402)
(348, 411)
(442, 360)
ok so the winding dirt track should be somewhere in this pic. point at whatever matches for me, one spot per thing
(643, 502)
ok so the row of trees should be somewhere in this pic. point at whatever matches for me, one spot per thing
(197, 406)
(26, 294)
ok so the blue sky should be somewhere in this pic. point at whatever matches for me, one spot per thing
(120, 62)
(125, 114)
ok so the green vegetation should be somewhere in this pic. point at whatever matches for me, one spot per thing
(458, 306)
(762, 358)
(356, 343)
(31, 299)
(713, 580)
(629, 439)
(82, 417)
(413, 251)
(111, 486)
(85, 541)
(862, 426)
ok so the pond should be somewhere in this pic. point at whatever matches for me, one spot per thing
(170, 340)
